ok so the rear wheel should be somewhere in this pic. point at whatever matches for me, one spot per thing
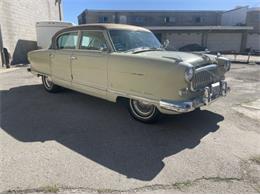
(143, 111)
(49, 85)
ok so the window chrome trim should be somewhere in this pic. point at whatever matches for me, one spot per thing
(111, 41)
(67, 32)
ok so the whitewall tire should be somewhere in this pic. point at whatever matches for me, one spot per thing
(49, 85)
(143, 111)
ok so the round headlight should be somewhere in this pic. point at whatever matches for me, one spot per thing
(227, 65)
(189, 73)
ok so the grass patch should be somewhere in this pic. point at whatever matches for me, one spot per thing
(258, 189)
(49, 189)
(44, 190)
(105, 191)
(180, 185)
(256, 159)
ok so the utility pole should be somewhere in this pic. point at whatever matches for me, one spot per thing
(59, 5)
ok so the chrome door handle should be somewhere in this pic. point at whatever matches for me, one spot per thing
(73, 58)
(51, 55)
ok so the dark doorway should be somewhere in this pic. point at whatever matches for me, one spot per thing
(21, 50)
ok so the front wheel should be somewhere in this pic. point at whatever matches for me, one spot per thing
(143, 111)
(49, 85)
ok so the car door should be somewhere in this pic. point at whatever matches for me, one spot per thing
(61, 58)
(89, 63)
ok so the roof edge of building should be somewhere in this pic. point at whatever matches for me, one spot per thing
(155, 11)
(237, 8)
(199, 27)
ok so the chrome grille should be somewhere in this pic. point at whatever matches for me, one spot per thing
(204, 78)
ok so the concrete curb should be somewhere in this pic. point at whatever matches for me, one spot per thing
(4, 70)
(243, 62)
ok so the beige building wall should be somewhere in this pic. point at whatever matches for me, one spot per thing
(224, 42)
(253, 41)
(216, 41)
(18, 19)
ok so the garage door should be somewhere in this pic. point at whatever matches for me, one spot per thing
(253, 41)
(178, 40)
(224, 41)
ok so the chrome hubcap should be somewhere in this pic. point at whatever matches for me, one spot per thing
(48, 82)
(142, 108)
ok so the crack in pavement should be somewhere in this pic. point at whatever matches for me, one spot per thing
(178, 185)
(248, 176)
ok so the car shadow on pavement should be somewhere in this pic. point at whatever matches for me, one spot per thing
(101, 131)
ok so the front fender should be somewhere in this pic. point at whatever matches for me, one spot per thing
(140, 76)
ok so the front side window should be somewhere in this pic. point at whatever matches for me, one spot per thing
(93, 40)
(68, 41)
(125, 40)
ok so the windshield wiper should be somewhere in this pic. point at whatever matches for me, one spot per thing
(143, 49)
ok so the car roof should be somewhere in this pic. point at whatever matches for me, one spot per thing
(104, 26)
(97, 26)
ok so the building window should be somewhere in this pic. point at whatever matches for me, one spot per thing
(123, 19)
(80, 20)
(168, 19)
(139, 20)
(198, 19)
(103, 19)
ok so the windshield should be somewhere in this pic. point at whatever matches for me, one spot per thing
(125, 40)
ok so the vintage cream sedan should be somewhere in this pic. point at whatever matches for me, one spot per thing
(122, 62)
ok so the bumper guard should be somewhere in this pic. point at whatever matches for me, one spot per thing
(210, 94)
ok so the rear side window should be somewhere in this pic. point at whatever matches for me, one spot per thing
(68, 41)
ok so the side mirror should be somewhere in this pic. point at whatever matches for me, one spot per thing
(165, 43)
(103, 48)
(207, 50)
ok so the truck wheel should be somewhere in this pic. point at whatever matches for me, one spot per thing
(143, 111)
(49, 85)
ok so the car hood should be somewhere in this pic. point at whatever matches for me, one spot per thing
(191, 58)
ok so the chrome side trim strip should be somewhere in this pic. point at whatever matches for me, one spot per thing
(124, 94)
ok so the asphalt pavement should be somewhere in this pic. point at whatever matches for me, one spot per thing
(71, 142)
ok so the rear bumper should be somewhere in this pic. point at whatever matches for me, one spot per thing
(209, 95)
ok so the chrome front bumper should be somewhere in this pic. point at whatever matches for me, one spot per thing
(210, 94)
